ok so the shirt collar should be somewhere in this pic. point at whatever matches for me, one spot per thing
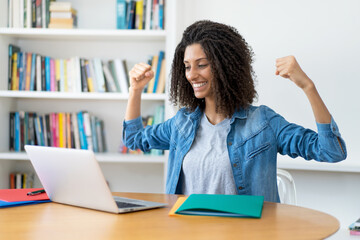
(241, 114)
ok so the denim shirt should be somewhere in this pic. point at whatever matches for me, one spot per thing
(256, 135)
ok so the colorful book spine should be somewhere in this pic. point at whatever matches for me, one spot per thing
(83, 142)
(158, 70)
(15, 79)
(121, 14)
(47, 74)
(22, 67)
(33, 73)
(17, 132)
(28, 71)
(61, 130)
(12, 50)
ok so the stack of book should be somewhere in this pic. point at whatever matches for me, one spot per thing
(62, 15)
(21, 180)
(80, 130)
(34, 72)
(29, 13)
(355, 228)
(140, 14)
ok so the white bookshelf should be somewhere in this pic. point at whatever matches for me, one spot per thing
(83, 95)
(134, 173)
(84, 34)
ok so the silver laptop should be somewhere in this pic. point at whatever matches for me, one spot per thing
(74, 177)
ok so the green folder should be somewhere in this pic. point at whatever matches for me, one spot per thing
(243, 206)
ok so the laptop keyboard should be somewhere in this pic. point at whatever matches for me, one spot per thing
(127, 205)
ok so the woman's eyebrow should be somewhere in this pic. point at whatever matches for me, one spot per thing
(196, 60)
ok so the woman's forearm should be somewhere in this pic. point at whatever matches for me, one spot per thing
(133, 105)
(321, 113)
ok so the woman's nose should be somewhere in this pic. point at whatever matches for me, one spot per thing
(191, 74)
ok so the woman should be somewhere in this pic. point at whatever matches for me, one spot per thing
(219, 143)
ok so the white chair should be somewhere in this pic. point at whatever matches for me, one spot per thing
(286, 187)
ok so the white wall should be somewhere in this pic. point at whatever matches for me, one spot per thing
(324, 36)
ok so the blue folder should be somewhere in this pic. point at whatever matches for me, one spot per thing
(4, 204)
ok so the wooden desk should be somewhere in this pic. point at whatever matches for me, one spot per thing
(56, 221)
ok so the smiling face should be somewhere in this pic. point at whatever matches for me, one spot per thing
(198, 71)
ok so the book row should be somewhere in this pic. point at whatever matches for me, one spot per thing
(29, 13)
(130, 14)
(21, 180)
(34, 72)
(80, 130)
(150, 120)
(140, 14)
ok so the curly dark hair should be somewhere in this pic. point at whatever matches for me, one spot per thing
(230, 58)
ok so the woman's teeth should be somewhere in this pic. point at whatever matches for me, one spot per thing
(199, 84)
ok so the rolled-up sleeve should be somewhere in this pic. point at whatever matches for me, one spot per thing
(331, 141)
(293, 140)
(135, 136)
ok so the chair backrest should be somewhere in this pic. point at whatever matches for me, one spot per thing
(286, 187)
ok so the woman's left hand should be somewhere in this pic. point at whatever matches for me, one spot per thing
(288, 67)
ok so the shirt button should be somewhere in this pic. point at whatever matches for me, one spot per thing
(230, 143)
(334, 128)
(240, 188)
(235, 165)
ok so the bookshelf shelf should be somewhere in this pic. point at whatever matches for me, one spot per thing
(101, 157)
(82, 95)
(83, 34)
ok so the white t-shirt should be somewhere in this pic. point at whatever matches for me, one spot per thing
(206, 167)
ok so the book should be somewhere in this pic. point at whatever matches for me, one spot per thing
(11, 131)
(54, 84)
(161, 14)
(139, 12)
(162, 78)
(100, 80)
(148, 14)
(60, 7)
(131, 14)
(76, 131)
(110, 82)
(158, 70)
(89, 77)
(12, 180)
(28, 71)
(93, 75)
(115, 75)
(38, 13)
(84, 84)
(15, 78)
(222, 205)
(38, 73)
(64, 14)
(17, 137)
(21, 69)
(82, 136)
(87, 130)
(150, 87)
(121, 7)
(61, 122)
(121, 75)
(33, 72)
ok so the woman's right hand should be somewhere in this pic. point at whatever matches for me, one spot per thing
(140, 75)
